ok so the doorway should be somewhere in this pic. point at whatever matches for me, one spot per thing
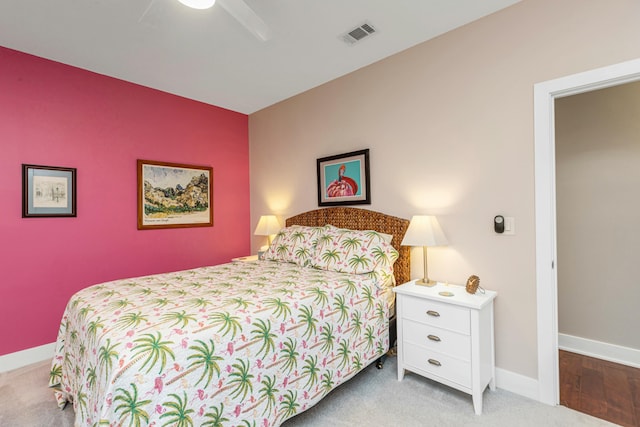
(545, 95)
(598, 239)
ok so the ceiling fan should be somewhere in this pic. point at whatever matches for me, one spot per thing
(236, 8)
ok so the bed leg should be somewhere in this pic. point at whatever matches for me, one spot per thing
(392, 340)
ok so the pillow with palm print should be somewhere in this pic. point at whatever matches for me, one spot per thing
(353, 251)
(294, 244)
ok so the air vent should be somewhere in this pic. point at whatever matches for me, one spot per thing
(357, 34)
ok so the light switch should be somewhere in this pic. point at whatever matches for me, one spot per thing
(509, 225)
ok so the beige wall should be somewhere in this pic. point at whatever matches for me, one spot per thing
(597, 184)
(450, 127)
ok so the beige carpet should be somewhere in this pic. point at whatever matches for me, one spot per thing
(374, 397)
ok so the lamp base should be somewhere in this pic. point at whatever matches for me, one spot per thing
(426, 282)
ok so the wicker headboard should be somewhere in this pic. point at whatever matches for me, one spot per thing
(363, 219)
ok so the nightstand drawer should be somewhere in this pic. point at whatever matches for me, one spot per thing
(432, 362)
(437, 339)
(437, 314)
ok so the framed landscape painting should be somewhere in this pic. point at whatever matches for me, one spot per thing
(174, 195)
(344, 179)
(48, 191)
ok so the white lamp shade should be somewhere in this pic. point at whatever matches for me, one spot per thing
(198, 4)
(267, 226)
(424, 230)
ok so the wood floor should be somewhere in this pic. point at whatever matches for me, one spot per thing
(603, 389)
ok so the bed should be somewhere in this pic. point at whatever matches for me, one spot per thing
(239, 344)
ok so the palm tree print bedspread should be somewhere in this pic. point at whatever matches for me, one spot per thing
(239, 344)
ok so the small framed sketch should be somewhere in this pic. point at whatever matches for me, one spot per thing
(174, 195)
(48, 191)
(344, 179)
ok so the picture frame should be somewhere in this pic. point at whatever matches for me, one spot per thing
(174, 195)
(343, 179)
(48, 191)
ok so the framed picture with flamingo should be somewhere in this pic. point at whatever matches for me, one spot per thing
(343, 179)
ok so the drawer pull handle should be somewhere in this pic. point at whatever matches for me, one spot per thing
(435, 362)
(434, 338)
(433, 313)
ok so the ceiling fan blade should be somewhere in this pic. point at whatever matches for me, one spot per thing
(247, 17)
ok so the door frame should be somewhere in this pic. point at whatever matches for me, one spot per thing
(545, 94)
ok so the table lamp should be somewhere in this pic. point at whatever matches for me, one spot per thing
(267, 226)
(424, 231)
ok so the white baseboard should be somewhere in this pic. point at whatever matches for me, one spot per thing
(601, 350)
(19, 359)
(518, 384)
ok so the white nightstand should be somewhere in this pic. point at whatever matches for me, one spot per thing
(246, 258)
(448, 339)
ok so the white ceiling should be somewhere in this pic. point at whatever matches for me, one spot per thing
(208, 56)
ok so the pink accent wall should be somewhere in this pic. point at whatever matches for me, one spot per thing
(57, 115)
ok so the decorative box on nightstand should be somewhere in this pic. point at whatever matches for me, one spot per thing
(448, 339)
